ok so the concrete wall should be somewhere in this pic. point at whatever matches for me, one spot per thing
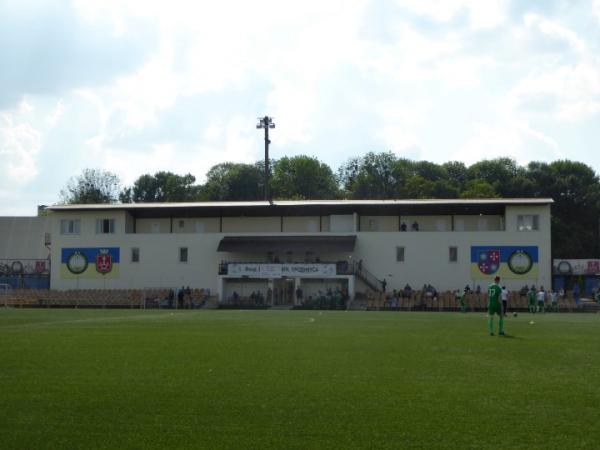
(379, 223)
(23, 237)
(251, 224)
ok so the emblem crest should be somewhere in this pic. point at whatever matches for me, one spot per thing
(489, 261)
(40, 266)
(520, 262)
(103, 262)
(77, 263)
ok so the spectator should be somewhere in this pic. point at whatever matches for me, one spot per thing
(299, 295)
(407, 291)
(403, 226)
(554, 300)
(576, 293)
(504, 296)
(531, 298)
(541, 300)
(462, 299)
(414, 226)
(180, 296)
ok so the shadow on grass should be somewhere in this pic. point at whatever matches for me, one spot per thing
(511, 336)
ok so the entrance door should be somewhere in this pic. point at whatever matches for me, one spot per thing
(284, 291)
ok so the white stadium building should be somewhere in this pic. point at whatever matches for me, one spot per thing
(277, 247)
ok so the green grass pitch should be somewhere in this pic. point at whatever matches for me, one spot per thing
(126, 379)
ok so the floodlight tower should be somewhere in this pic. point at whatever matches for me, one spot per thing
(266, 123)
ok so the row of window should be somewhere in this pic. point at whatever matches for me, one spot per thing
(452, 254)
(525, 222)
(73, 226)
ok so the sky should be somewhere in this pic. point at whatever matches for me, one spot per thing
(135, 87)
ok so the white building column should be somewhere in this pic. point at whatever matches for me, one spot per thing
(351, 292)
(296, 286)
(221, 289)
(270, 287)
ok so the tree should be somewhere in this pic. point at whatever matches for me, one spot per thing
(478, 189)
(504, 174)
(457, 173)
(575, 188)
(92, 186)
(303, 177)
(234, 181)
(372, 176)
(162, 187)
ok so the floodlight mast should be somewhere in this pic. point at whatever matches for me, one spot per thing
(266, 123)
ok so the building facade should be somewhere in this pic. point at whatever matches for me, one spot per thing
(237, 248)
(25, 251)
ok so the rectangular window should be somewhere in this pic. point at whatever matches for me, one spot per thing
(70, 226)
(181, 223)
(528, 222)
(135, 255)
(373, 225)
(105, 226)
(156, 227)
(183, 254)
(399, 254)
(453, 254)
(199, 227)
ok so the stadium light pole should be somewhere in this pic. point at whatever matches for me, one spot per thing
(266, 123)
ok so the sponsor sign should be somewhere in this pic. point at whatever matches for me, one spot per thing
(504, 261)
(576, 266)
(254, 270)
(24, 267)
(90, 262)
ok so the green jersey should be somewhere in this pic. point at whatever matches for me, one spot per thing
(494, 292)
(531, 297)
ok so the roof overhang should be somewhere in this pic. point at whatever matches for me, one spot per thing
(283, 244)
(311, 207)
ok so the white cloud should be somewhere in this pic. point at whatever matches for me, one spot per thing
(596, 9)
(482, 13)
(19, 146)
(190, 79)
(555, 30)
(507, 139)
(567, 93)
(53, 119)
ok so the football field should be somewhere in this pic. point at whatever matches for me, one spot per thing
(130, 379)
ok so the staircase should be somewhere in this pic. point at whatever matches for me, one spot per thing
(367, 277)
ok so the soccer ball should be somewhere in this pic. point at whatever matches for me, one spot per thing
(514, 314)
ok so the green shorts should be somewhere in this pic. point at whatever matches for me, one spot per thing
(494, 308)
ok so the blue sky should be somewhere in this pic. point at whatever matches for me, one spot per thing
(140, 86)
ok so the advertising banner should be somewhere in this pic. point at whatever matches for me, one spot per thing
(513, 262)
(576, 267)
(255, 270)
(90, 262)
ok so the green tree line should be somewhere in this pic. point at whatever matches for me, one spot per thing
(574, 186)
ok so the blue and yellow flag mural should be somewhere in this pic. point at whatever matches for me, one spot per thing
(90, 262)
(504, 261)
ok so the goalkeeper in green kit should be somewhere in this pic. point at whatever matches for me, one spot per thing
(495, 307)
